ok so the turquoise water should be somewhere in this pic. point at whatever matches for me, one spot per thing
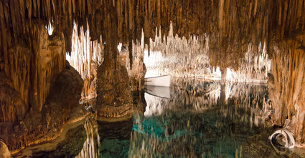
(198, 120)
(195, 119)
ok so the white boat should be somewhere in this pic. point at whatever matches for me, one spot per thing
(162, 92)
(162, 81)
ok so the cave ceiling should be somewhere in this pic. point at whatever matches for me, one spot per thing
(231, 21)
(231, 26)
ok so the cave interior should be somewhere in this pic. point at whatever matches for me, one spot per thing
(73, 78)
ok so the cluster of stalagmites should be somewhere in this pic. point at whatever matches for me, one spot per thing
(87, 55)
(180, 57)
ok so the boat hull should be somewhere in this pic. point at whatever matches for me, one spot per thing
(162, 81)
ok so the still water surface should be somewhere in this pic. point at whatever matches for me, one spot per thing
(192, 118)
(199, 119)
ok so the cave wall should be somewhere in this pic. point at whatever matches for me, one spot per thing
(30, 71)
(50, 61)
(12, 107)
(60, 109)
(287, 85)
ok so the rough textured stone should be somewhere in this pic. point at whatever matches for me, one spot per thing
(12, 107)
(4, 152)
(69, 147)
(32, 68)
(61, 107)
(113, 86)
(287, 86)
(234, 23)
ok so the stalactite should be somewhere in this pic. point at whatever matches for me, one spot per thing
(86, 56)
(187, 16)
(144, 14)
(254, 67)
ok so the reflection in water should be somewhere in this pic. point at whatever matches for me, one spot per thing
(115, 138)
(158, 91)
(69, 147)
(200, 119)
(206, 119)
(92, 142)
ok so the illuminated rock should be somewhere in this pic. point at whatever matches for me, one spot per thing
(4, 152)
(286, 87)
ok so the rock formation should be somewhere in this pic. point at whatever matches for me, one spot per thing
(85, 57)
(4, 152)
(12, 106)
(181, 57)
(232, 25)
(61, 107)
(286, 84)
(69, 147)
(113, 91)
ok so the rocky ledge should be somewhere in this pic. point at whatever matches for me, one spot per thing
(60, 108)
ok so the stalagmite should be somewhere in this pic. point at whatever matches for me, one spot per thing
(85, 57)
(172, 58)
